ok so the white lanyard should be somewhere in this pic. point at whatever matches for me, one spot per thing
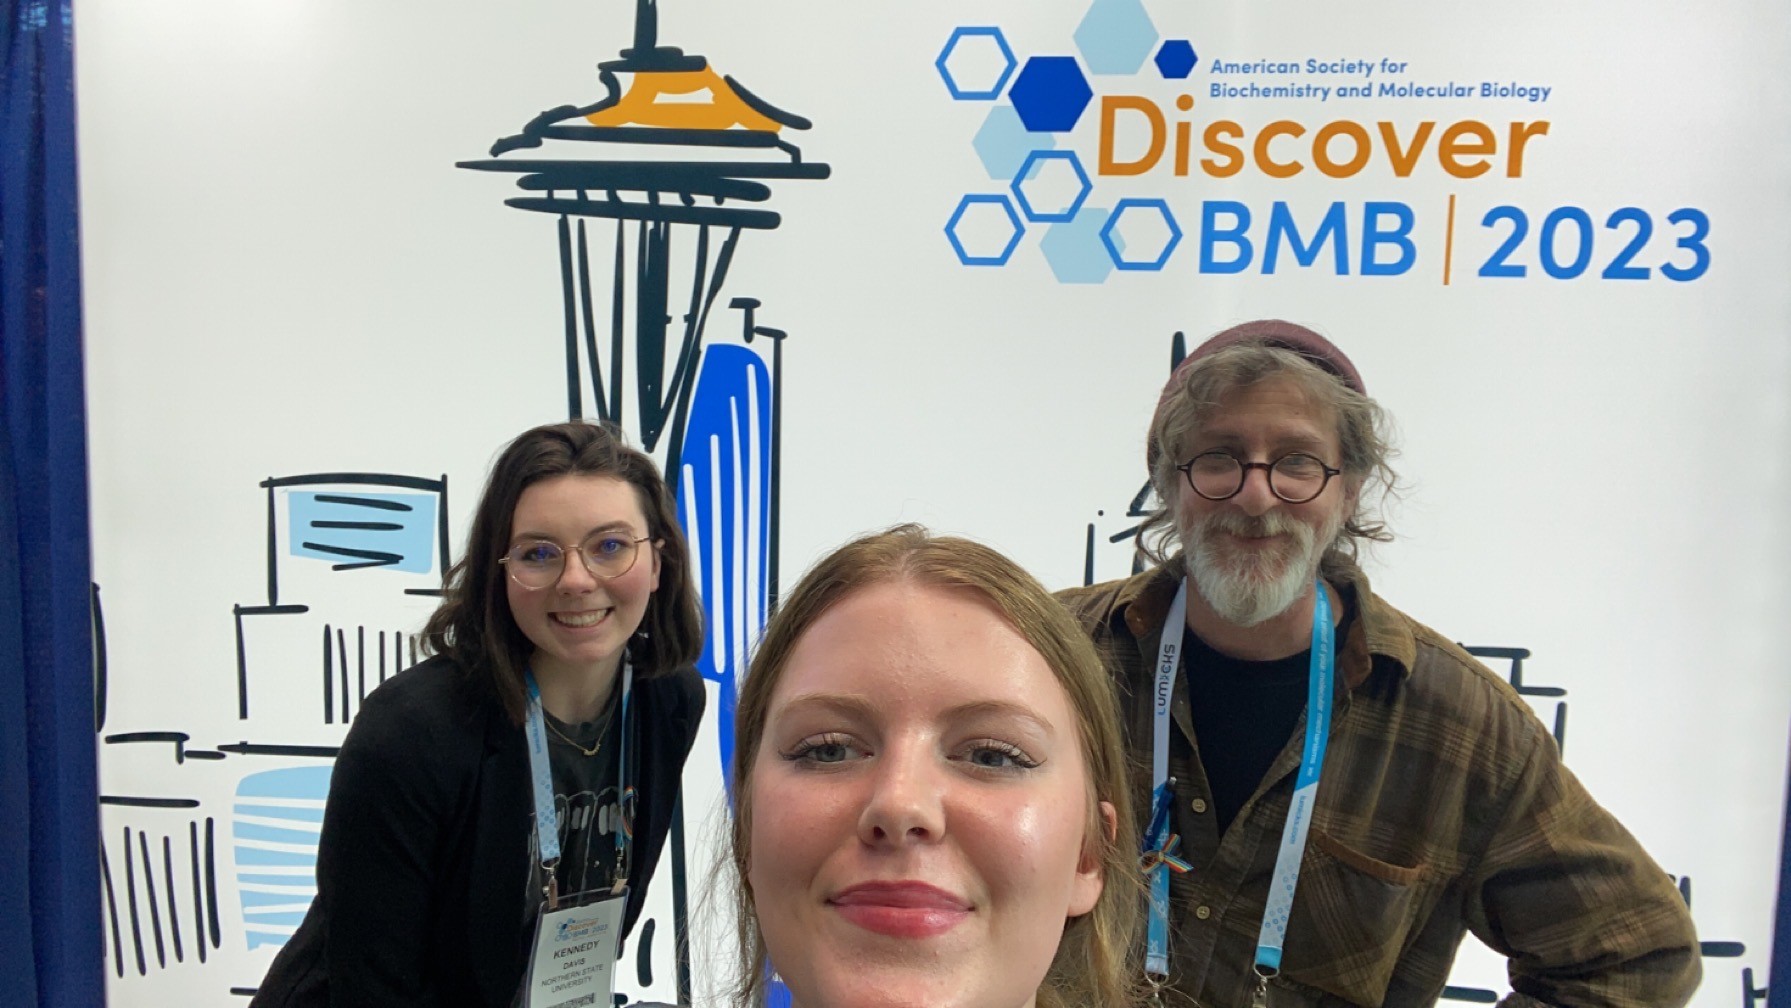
(1160, 844)
(547, 819)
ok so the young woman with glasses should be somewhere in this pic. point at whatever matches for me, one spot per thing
(563, 656)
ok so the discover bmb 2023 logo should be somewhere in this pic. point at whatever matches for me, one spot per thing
(1095, 154)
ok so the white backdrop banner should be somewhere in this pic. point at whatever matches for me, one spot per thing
(839, 265)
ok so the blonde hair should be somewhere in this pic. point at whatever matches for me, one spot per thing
(1094, 962)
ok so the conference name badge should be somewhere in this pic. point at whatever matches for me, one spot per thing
(572, 964)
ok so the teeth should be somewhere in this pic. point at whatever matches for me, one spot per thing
(583, 619)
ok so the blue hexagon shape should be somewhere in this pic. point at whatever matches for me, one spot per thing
(1176, 59)
(1075, 249)
(984, 230)
(1050, 94)
(975, 63)
(1152, 227)
(1002, 142)
(1115, 36)
(1051, 186)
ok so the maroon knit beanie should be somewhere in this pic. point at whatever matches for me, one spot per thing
(1275, 333)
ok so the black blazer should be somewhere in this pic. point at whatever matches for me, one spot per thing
(423, 861)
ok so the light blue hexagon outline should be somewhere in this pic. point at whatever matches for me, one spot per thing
(1026, 169)
(1133, 203)
(1007, 55)
(951, 230)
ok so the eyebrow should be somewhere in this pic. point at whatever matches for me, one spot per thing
(848, 704)
(610, 526)
(857, 706)
(1003, 708)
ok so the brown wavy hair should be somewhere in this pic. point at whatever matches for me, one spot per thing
(1095, 964)
(474, 626)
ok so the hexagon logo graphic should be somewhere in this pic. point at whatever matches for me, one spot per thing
(1144, 225)
(984, 230)
(1002, 142)
(1051, 186)
(1115, 36)
(1176, 59)
(1050, 94)
(1076, 251)
(975, 63)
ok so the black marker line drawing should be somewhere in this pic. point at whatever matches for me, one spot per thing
(140, 802)
(149, 893)
(709, 406)
(198, 891)
(1141, 504)
(643, 953)
(178, 739)
(211, 883)
(1709, 949)
(173, 898)
(112, 911)
(100, 666)
(1751, 995)
(342, 523)
(155, 885)
(1516, 656)
(704, 145)
(276, 749)
(130, 892)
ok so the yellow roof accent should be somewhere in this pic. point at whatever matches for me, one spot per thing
(645, 104)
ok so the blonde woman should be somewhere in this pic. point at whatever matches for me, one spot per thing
(932, 796)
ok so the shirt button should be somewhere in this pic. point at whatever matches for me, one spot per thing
(1198, 804)
(1203, 912)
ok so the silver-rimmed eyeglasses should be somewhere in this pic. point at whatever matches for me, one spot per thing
(538, 563)
(1295, 477)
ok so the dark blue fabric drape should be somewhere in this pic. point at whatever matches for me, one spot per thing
(1778, 979)
(50, 952)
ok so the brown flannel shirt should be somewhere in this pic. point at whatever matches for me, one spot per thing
(1443, 808)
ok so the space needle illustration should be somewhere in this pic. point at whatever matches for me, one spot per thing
(651, 187)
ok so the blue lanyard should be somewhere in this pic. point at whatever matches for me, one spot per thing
(1160, 844)
(547, 817)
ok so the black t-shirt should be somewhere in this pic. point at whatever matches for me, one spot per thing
(1244, 713)
(586, 800)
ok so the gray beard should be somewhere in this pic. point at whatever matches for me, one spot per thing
(1248, 589)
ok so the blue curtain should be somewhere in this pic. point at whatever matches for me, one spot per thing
(50, 951)
(1778, 978)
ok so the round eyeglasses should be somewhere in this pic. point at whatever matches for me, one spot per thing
(1295, 477)
(538, 563)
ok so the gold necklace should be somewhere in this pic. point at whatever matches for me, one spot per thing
(569, 741)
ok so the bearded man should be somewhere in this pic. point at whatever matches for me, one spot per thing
(1334, 793)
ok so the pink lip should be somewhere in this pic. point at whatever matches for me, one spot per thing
(901, 909)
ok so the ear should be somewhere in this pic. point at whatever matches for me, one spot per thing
(657, 544)
(1091, 878)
